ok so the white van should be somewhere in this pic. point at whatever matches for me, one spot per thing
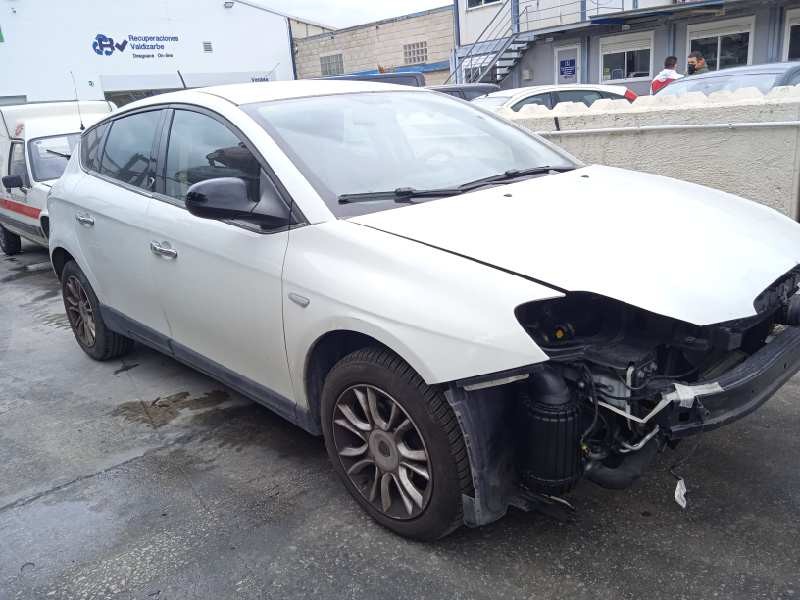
(36, 141)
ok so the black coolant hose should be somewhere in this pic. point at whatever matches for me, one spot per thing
(627, 472)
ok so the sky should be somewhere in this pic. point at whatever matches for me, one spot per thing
(343, 13)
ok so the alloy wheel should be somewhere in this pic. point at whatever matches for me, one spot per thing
(382, 451)
(79, 311)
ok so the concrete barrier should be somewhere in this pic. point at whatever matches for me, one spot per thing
(743, 142)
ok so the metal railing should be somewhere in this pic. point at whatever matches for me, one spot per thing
(505, 28)
(491, 42)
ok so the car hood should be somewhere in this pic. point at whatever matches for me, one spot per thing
(671, 247)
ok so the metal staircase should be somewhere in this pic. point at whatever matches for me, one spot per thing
(504, 40)
(496, 51)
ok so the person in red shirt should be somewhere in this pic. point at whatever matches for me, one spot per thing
(667, 76)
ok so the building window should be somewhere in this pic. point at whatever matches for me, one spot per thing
(791, 39)
(472, 75)
(477, 3)
(723, 45)
(415, 53)
(794, 43)
(626, 57)
(208, 47)
(331, 65)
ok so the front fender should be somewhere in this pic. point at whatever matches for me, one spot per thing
(447, 316)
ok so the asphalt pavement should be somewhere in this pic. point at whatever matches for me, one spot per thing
(140, 478)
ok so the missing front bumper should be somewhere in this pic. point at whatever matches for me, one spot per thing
(743, 389)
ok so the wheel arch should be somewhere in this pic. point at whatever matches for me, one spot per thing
(325, 352)
(60, 257)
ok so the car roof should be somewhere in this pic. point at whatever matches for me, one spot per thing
(465, 86)
(538, 89)
(247, 93)
(63, 125)
(778, 67)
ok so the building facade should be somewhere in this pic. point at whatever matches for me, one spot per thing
(125, 50)
(420, 42)
(529, 42)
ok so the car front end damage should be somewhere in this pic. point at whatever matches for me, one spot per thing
(621, 385)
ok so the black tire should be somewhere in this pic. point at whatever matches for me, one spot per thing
(436, 424)
(107, 344)
(10, 243)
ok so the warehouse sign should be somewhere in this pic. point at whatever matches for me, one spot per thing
(137, 46)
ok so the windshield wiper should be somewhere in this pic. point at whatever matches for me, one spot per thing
(61, 154)
(407, 194)
(402, 195)
(510, 175)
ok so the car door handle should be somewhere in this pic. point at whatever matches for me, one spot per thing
(84, 220)
(163, 249)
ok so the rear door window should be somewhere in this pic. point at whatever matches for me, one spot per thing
(541, 99)
(129, 154)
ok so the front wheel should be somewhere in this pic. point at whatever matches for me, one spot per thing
(83, 312)
(395, 443)
(10, 243)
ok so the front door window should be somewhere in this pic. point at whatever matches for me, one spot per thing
(17, 164)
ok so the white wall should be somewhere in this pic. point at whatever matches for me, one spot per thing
(45, 40)
(472, 21)
(759, 163)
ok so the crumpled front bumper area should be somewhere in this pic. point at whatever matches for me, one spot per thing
(707, 405)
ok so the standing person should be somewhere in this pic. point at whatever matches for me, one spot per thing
(696, 65)
(667, 76)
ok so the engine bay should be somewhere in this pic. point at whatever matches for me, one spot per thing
(623, 383)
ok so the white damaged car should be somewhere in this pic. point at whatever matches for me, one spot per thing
(470, 317)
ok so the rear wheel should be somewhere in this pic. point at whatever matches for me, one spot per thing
(83, 312)
(10, 243)
(396, 444)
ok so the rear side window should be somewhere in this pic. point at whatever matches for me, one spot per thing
(202, 148)
(128, 154)
(90, 147)
(588, 97)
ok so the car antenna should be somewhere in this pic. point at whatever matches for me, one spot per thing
(183, 83)
(77, 101)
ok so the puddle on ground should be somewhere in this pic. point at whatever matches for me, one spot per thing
(57, 320)
(44, 296)
(18, 273)
(124, 368)
(162, 411)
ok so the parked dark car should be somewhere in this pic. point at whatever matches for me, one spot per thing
(466, 91)
(410, 78)
(764, 77)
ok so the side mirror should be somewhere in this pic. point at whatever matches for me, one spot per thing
(13, 181)
(227, 198)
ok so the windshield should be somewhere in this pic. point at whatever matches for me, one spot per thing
(491, 101)
(763, 81)
(363, 143)
(50, 155)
